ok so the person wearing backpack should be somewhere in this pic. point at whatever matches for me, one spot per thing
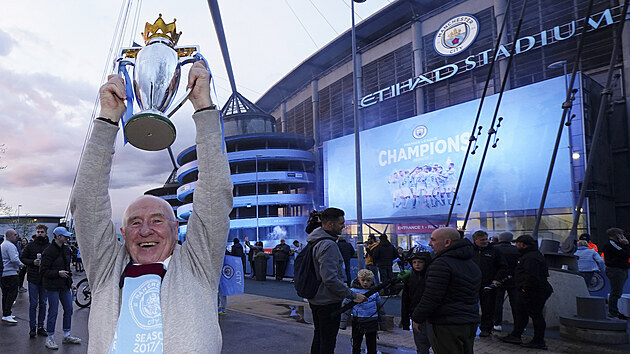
(332, 290)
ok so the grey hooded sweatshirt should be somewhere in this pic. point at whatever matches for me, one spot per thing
(329, 269)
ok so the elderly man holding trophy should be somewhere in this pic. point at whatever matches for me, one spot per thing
(151, 294)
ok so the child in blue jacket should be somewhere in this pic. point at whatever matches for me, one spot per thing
(366, 315)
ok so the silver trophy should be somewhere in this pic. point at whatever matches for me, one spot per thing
(156, 73)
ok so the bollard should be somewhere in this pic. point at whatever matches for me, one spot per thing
(591, 307)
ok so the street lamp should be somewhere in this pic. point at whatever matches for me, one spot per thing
(18, 214)
(558, 64)
(355, 110)
(257, 236)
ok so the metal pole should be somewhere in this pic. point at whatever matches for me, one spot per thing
(606, 94)
(218, 28)
(491, 131)
(474, 128)
(568, 124)
(18, 215)
(566, 108)
(257, 236)
(355, 109)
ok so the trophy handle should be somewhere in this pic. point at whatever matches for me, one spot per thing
(182, 100)
(179, 103)
(122, 70)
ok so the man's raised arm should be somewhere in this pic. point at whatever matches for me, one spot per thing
(209, 222)
(90, 202)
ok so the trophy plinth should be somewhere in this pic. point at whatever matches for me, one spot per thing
(150, 130)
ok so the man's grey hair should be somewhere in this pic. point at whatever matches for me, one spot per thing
(506, 237)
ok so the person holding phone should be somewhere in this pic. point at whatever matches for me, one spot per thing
(32, 257)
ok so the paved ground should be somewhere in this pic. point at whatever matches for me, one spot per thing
(268, 320)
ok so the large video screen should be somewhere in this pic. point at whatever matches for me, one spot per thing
(411, 167)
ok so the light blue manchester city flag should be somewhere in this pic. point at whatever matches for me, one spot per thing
(232, 281)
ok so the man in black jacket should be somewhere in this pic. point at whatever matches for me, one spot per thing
(237, 251)
(281, 258)
(32, 257)
(347, 251)
(530, 276)
(451, 294)
(493, 270)
(57, 280)
(253, 250)
(383, 256)
(616, 255)
(511, 255)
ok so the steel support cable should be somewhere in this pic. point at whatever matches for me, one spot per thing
(349, 7)
(114, 46)
(474, 127)
(567, 105)
(496, 112)
(324, 17)
(606, 93)
(135, 23)
(304, 27)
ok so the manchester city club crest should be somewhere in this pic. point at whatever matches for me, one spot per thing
(456, 35)
(420, 131)
(144, 305)
(228, 271)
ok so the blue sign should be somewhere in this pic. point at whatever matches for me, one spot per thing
(411, 167)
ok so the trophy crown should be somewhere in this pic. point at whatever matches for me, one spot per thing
(161, 29)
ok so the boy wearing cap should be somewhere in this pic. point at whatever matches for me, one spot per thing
(57, 280)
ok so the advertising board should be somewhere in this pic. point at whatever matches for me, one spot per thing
(410, 168)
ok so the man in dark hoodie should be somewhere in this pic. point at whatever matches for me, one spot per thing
(530, 276)
(616, 255)
(384, 255)
(333, 289)
(511, 255)
(493, 270)
(347, 251)
(237, 251)
(451, 295)
(281, 254)
(31, 256)
(411, 295)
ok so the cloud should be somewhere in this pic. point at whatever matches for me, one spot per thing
(6, 43)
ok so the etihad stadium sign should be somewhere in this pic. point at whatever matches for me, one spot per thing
(452, 33)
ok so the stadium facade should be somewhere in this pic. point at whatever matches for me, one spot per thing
(423, 66)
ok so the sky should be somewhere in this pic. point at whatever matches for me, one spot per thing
(54, 56)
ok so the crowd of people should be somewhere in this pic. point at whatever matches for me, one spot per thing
(453, 294)
(46, 266)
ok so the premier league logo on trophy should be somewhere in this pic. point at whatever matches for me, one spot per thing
(156, 73)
